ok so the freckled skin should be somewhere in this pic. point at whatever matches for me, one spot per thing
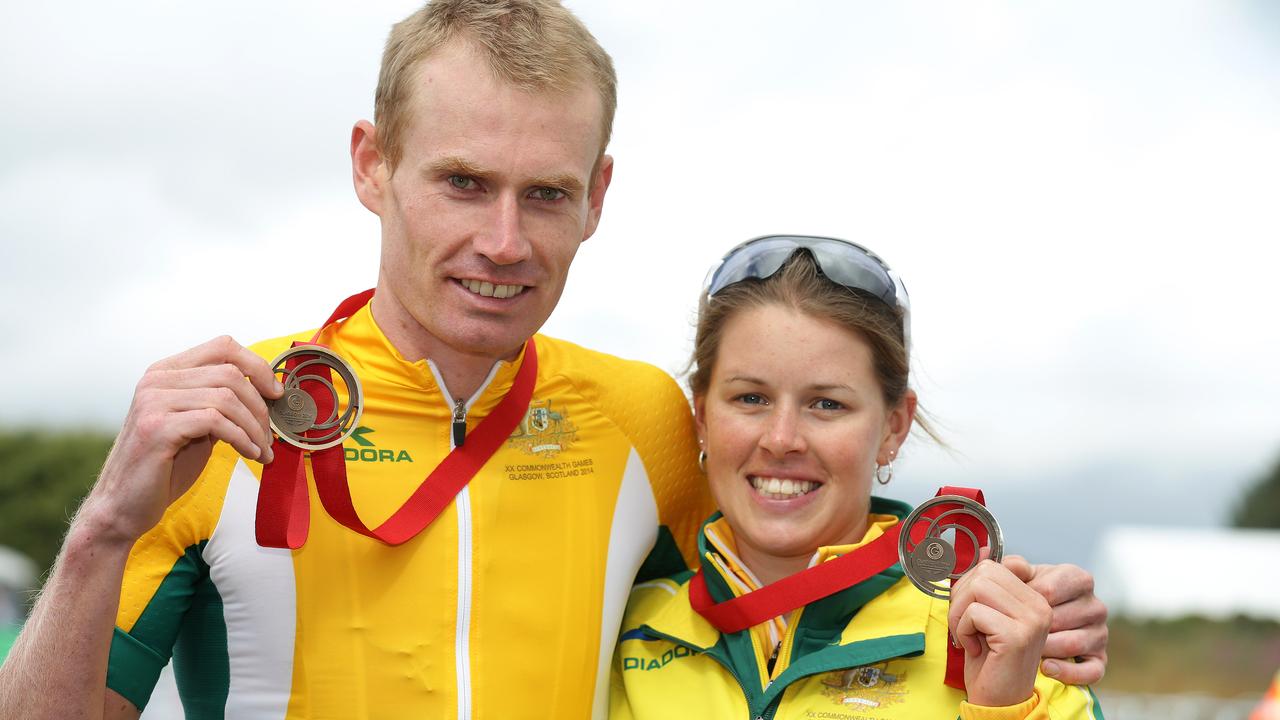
(794, 396)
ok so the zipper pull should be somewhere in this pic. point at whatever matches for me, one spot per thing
(459, 423)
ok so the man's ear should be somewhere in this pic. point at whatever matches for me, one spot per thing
(369, 169)
(595, 197)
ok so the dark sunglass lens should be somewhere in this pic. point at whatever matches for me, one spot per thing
(853, 268)
(757, 260)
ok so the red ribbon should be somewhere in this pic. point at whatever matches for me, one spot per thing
(283, 504)
(827, 578)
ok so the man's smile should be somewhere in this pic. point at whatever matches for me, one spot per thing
(485, 288)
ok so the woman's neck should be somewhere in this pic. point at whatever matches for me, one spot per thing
(770, 566)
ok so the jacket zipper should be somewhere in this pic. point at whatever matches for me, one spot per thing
(462, 502)
(459, 423)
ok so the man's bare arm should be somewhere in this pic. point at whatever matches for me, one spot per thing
(184, 404)
(117, 708)
(69, 630)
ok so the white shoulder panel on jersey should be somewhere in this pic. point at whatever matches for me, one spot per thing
(631, 537)
(258, 604)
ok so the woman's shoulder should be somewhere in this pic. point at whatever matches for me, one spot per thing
(656, 598)
(660, 610)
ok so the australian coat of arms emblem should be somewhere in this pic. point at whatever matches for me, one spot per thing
(543, 431)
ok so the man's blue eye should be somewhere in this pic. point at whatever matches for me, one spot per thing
(549, 194)
(461, 182)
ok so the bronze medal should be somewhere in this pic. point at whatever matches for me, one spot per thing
(295, 416)
(932, 562)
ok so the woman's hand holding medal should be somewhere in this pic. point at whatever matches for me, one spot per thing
(1001, 623)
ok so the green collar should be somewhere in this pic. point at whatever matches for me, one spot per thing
(891, 620)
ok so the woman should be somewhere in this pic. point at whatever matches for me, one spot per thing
(801, 398)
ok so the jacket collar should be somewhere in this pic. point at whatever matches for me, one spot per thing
(892, 616)
(361, 342)
(896, 607)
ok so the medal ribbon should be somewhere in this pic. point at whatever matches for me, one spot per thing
(827, 578)
(283, 504)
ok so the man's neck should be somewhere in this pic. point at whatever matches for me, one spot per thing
(462, 373)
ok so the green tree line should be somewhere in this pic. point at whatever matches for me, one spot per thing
(43, 477)
(1260, 506)
(44, 474)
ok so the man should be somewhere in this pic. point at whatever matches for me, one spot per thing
(487, 169)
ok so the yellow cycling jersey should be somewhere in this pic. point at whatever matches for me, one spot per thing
(877, 650)
(506, 606)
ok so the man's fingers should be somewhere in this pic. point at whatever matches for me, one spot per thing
(193, 424)
(258, 372)
(211, 377)
(1075, 643)
(1019, 566)
(1088, 671)
(1061, 583)
(1083, 612)
(222, 350)
(220, 366)
(222, 402)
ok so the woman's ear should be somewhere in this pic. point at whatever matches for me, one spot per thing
(897, 427)
(700, 419)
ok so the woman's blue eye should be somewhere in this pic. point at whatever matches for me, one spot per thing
(825, 404)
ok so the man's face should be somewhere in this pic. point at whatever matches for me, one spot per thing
(488, 204)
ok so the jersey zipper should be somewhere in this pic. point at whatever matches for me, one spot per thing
(462, 503)
(459, 423)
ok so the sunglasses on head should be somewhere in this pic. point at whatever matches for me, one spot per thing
(840, 261)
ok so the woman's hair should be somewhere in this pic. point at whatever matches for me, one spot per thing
(800, 285)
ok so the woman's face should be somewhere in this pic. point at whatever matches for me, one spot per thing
(794, 423)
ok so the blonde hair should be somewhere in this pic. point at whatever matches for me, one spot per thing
(800, 285)
(535, 45)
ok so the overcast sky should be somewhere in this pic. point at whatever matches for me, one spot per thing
(1081, 197)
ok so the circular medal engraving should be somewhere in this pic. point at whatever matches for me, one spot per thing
(308, 373)
(933, 560)
(295, 411)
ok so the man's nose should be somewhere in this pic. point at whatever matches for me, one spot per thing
(503, 241)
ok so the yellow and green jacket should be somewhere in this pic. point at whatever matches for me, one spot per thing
(506, 606)
(875, 650)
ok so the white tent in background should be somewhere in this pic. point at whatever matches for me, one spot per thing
(1165, 572)
(17, 576)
